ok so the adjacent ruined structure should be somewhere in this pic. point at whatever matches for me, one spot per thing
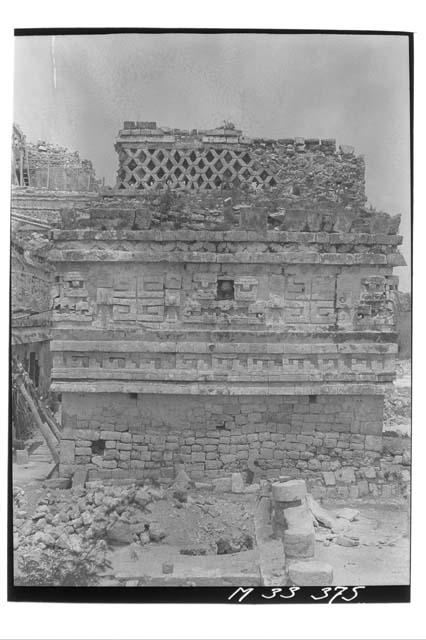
(230, 305)
(47, 183)
(31, 281)
(43, 165)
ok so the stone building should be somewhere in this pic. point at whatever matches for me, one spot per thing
(224, 324)
(47, 183)
(43, 165)
(31, 280)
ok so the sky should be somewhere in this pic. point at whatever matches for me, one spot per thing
(76, 91)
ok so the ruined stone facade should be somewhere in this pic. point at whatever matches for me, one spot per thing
(47, 184)
(151, 157)
(224, 327)
(43, 165)
(31, 280)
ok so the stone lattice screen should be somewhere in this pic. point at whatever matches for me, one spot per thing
(153, 158)
(203, 168)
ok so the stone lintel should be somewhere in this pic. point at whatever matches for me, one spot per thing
(241, 257)
(222, 389)
(210, 375)
(203, 235)
(135, 346)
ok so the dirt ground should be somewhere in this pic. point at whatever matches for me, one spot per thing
(383, 554)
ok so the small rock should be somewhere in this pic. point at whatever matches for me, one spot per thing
(44, 538)
(157, 494)
(347, 541)
(167, 567)
(156, 533)
(120, 533)
(224, 546)
(348, 514)
(86, 518)
(144, 537)
(142, 497)
(180, 495)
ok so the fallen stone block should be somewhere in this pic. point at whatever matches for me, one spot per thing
(167, 567)
(57, 483)
(347, 541)
(156, 533)
(142, 497)
(203, 485)
(289, 491)
(252, 488)
(237, 483)
(320, 514)
(340, 526)
(348, 514)
(222, 484)
(120, 533)
(79, 478)
(299, 542)
(310, 573)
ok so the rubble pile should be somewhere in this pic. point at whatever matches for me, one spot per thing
(171, 209)
(106, 516)
(397, 409)
(68, 519)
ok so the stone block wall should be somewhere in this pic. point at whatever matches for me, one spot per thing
(334, 442)
(230, 327)
(143, 435)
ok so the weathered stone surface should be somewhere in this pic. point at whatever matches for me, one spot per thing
(79, 478)
(289, 491)
(347, 541)
(237, 483)
(150, 282)
(222, 485)
(299, 542)
(310, 573)
(345, 475)
(156, 533)
(348, 514)
(320, 514)
(67, 451)
(120, 533)
(329, 478)
(22, 456)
